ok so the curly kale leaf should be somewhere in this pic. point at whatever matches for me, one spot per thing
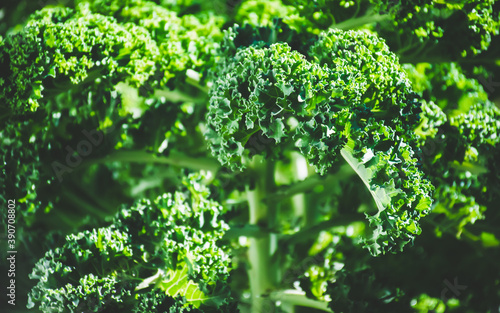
(156, 301)
(459, 143)
(359, 291)
(167, 246)
(323, 14)
(461, 161)
(348, 97)
(460, 28)
(80, 82)
(415, 29)
(447, 86)
(140, 44)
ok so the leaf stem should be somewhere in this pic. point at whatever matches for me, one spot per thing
(360, 21)
(309, 183)
(175, 158)
(314, 230)
(261, 274)
(299, 172)
(296, 297)
(246, 231)
(193, 79)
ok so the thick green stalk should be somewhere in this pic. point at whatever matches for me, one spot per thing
(299, 172)
(261, 274)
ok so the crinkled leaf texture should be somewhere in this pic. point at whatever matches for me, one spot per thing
(348, 96)
(96, 43)
(168, 246)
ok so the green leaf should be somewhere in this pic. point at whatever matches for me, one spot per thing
(489, 240)
(177, 283)
(381, 195)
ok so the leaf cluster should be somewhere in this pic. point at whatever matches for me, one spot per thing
(167, 248)
(98, 68)
(347, 94)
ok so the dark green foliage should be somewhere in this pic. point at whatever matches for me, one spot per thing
(415, 29)
(169, 244)
(353, 147)
(359, 292)
(128, 47)
(459, 139)
(351, 95)
(78, 85)
(308, 89)
(322, 14)
(457, 28)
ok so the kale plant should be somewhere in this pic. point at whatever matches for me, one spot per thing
(251, 155)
